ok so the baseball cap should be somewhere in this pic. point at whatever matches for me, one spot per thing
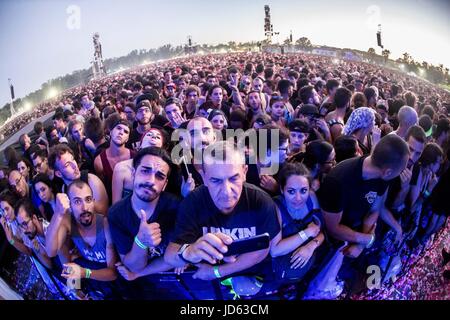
(298, 125)
(309, 109)
(120, 121)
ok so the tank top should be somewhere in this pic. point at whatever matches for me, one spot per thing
(291, 226)
(96, 253)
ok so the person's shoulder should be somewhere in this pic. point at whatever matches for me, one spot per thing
(256, 193)
(124, 166)
(170, 198)
(119, 209)
(343, 167)
(196, 197)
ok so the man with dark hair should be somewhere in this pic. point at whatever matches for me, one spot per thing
(331, 85)
(335, 119)
(61, 160)
(18, 184)
(34, 228)
(94, 131)
(25, 144)
(397, 202)
(442, 132)
(215, 94)
(174, 112)
(75, 218)
(88, 107)
(352, 194)
(223, 210)
(105, 162)
(308, 95)
(298, 134)
(40, 163)
(141, 223)
(286, 89)
(145, 118)
(60, 123)
(85, 147)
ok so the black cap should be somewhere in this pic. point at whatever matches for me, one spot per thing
(309, 109)
(145, 96)
(120, 121)
(298, 125)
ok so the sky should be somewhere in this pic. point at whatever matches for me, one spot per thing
(45, 39)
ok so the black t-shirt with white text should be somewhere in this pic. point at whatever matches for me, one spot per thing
(254, 214)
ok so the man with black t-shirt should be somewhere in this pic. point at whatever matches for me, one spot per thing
(352, 194)
(145, 120)
(141, 223)
(224, 209)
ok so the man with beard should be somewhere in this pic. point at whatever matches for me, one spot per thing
(18, 184)
(201, 135)
(105, 162)
(33, 228)
(141, 223)
(61, 160)
(255, 106)
(75, 217)
(145, 118)
(399, 198)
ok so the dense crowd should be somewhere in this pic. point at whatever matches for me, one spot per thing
(328, 167)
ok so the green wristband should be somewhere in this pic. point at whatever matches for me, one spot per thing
(140, 244)
(12, 241)
(88, 273)
(216, 272)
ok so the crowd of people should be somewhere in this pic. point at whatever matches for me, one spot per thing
(160, 169)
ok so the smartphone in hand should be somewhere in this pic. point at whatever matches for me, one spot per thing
(249, 244)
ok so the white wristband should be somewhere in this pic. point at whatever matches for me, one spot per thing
(303, 236)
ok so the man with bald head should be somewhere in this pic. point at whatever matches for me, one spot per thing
(407, 117)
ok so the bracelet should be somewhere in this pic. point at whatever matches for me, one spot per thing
(88, 273)
(216, 272)
(140, 244)
(303, 235)
(12, 241)
(372, 240)
(426, 194)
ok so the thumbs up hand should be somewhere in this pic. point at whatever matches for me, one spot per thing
(149, 233)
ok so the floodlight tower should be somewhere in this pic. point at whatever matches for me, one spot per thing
(98, 69)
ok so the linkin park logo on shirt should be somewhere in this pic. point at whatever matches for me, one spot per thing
(371, 196)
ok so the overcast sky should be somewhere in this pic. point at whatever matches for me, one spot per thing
(44, 39)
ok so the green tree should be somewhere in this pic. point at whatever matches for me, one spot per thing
(304, 42)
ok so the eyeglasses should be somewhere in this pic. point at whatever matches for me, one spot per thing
(14, 185)
(24, 225)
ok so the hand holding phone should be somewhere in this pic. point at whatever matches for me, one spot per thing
(249, 244)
